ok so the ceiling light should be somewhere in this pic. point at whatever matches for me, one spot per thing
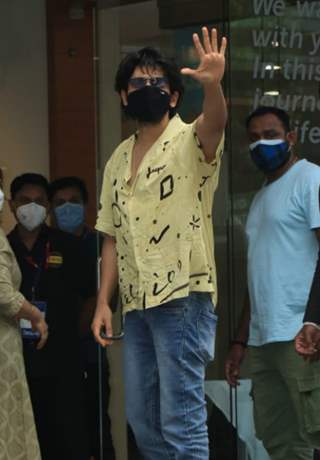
(272, 67)
(271, 93)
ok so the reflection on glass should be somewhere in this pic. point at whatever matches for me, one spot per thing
(273, 61)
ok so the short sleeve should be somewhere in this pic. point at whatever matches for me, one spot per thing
(105, 219)
(311, 198)
(205, 168)
(11, 300)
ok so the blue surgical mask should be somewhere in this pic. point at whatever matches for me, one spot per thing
(270, 155)
(69, 216)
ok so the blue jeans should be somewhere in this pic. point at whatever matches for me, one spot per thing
(166, 351)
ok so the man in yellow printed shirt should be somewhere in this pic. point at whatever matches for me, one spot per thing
(156, 205)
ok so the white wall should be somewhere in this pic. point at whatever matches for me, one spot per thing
(23, 91)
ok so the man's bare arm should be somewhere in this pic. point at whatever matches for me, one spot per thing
(209, 74)
(242, 334)
(238, 346)
(108, 283)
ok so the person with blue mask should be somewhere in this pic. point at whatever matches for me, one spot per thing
(283, 229)
(69, 199)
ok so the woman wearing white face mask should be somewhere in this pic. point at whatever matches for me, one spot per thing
(18, 438)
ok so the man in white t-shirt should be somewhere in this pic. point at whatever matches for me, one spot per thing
(282, 231)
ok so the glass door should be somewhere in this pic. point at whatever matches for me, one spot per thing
(273, 61)
(123, 26)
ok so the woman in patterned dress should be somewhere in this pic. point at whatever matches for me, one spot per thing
(18, 438)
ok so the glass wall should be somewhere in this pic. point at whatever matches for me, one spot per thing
(273, 60)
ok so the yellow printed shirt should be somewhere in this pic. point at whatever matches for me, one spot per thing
(162, 222)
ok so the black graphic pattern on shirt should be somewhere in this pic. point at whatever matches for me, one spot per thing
(155, 239)
(195, 222)
(157, 289)
(166, 187)
(155, 170)
(204, 180)
(162, 287)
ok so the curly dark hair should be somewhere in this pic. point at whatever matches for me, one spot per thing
(145, 58)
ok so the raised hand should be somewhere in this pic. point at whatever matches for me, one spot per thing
(212, 60)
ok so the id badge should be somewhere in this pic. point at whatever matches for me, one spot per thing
(25, 325)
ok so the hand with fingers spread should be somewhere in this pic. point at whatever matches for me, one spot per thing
(212, 59)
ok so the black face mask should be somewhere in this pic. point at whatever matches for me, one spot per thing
(148, 104)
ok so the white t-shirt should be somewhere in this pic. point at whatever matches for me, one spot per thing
(282, 253)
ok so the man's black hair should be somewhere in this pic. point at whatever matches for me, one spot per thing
(145, 58)
(265, 110)
(66, 182)
(28, 179)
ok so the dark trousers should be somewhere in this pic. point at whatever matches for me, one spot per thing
(59, 410)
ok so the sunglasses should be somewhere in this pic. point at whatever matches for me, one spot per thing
(140, 82)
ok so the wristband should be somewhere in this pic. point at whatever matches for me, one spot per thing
(239, 342)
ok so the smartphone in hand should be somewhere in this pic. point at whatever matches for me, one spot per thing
(118, 336)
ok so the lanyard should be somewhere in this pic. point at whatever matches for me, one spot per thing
(38, 269)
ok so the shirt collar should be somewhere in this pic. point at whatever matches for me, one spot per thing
(174, 126)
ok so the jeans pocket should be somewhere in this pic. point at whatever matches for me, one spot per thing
(207, 324)
(309, 388)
